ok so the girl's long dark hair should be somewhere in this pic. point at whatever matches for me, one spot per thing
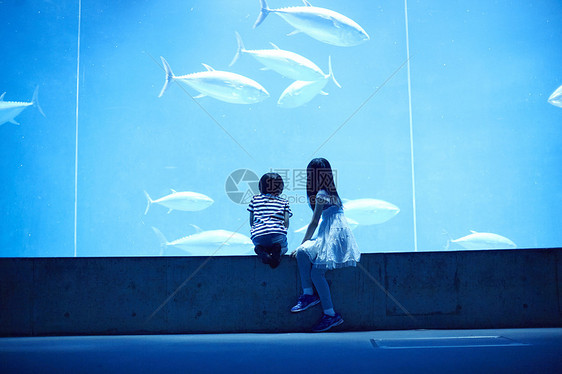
(319, 176)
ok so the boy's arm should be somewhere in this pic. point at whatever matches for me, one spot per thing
(251, 219)
(286, 223)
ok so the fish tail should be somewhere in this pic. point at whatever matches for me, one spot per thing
(263, 13)
(331, 73)
(35, 101)
(149, 202)
(240, 48)
(162, 238)
(169, 76)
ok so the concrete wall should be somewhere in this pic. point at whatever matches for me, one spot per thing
(438, 290)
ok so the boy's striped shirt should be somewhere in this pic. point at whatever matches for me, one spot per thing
(269, 215)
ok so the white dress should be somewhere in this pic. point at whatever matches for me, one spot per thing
(335, 245)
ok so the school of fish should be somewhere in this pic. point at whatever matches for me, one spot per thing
(322, 24)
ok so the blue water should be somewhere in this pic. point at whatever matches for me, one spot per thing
(487, 144)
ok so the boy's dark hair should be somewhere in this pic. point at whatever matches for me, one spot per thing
(271, 183)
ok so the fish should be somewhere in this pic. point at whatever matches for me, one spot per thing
(321, 24)
(286, 63)
(221, 85)
(301, 92)
(556, 97)
(483, 240)
(369, 211)
(9, 110)
(185, 200)
(352, 224)
(209, 243)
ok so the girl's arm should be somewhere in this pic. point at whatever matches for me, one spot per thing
(314, 221)
(251, 219)
(286, 223)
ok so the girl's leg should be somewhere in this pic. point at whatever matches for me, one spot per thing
(318, 277)
(305, 267)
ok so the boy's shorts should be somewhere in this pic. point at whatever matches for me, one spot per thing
(269, 239)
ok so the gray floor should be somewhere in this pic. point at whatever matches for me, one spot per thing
(420, 351)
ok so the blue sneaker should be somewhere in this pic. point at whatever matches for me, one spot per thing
(305, 302)
(327, 322)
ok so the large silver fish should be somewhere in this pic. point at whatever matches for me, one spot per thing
(184, 200)
(321, 24)
(286, 63)
(556, 97)
(366, 212)
(301, 92)
(10, 109)
(209, 243)
(369, 211)
(484, 240)
(221, 85)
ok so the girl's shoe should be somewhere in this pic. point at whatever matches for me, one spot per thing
(305, 302)
(327, 322)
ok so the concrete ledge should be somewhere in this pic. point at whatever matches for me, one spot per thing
(424, 290)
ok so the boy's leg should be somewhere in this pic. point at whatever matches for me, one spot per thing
(282, 240)
(261, 250)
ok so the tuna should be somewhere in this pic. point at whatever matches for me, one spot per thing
(321, 24)
(221, 85)
(556, 97)
(186, 201)
(286, 63)
(483, 240)
(301, 92)
(9, 110)
(370, 211)
(209, 243)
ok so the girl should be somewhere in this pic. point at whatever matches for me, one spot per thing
(269, 220)
(334, 247)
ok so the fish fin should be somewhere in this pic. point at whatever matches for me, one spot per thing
(306, 3)
(162, 238)
(264, 68)
(294, 32)
(170, 211)
(199, 96)
(173, 191)
(14, 122)
(263, 13)
(324, 93)
(35, 101)
(169, 76)
(2, 97)
(472, 231)
(149, 202)
(274, 46)
(240, 48)
(208, 67)
(197, 228)
(330, 72)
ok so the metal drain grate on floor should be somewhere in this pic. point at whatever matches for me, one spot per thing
(446, 342)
